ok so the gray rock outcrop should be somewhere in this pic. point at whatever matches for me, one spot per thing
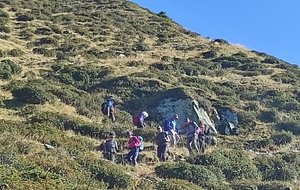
(185, 108)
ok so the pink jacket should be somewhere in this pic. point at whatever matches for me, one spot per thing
(134, 142)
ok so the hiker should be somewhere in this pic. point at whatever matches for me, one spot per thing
(111, 109)
(201, 137)
(162, 139)
(139, 120)
(110, 148)
(171, 129)
(134, 146)
(215, 117)
(191, 130)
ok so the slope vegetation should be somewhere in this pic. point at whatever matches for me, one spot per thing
(61, 59)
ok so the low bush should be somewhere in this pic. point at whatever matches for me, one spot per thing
(148, 135)
(142, 47)
(267, 116)
(25, 17)
(43, 31)
(32, 95)
(109, 173)
(5, 29)
(177, 184)
(15, 53)
(233, 164)
(193, 173)
(282, 138)
(209, 54)
(244, 184)
(292, 126)
(9, 68)
(279, 167)
(271, 185)
(65, 122)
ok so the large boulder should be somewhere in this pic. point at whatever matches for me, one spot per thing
(184, 108)
(228, 115)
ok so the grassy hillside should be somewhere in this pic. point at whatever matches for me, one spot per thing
(61, 59)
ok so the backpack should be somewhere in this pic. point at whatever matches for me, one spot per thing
(135, 119)
(142, 143)
(104, 108)
(198, 130)
(165, 124)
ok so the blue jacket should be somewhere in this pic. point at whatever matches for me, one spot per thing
(170, 124)
(110, 105)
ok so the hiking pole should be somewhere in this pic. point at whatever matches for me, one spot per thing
(123, 162)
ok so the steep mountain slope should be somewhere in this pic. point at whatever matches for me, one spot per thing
(61, 59)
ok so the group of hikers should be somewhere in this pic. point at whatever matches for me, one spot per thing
(167, 135)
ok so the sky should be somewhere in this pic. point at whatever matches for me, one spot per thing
(269, 26)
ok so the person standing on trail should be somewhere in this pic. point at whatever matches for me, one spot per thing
(110, 148)
(162, 139)
(201, 137)
(171, 129)
(110, 104)
(191, 130)
(133, 145)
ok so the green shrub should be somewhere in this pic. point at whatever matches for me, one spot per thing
(270, 60)
(48, 40)
(244, 185)
(8, 68)
(163, 14)
(65, 122)
(193, 173)
(135, 63)
(142, 47)
(267, 116)
(33, 95)
(5, 29)
(209, 54)
(251, 73)
(252, 106)
(109, 173)
(271, 185)
(166, 58)
(240, 54)
(292, 126)
(148, 135)
(43, 31)
(15, 53)
(176, 184)
(282, 138)
(278, 167)
(3, 53)
(4, 17)
(25, 17)
(233, 164)
(230, 64)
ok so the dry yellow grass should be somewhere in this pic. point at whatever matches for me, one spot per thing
(10, 115)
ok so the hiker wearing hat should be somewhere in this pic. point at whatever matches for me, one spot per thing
(133, 145)
(110, 148)
(110, 104)
(139, 120)
(191, 131)
(162, 139)
(170, 128)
